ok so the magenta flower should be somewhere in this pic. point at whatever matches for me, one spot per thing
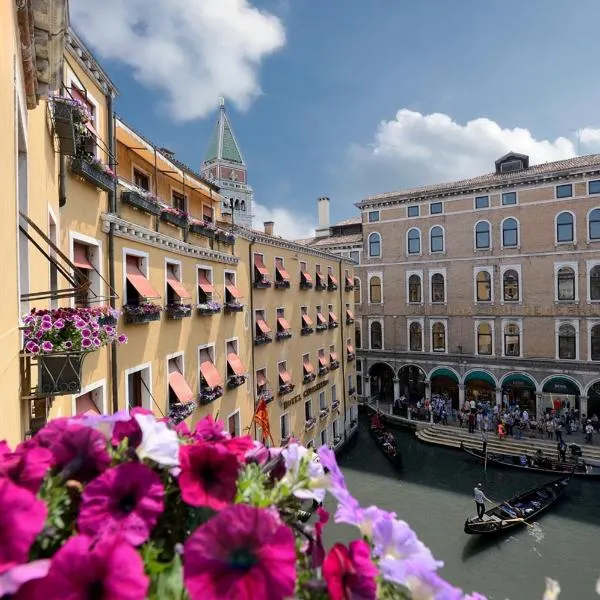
(208, 475)
(27, 467)
(32, 347)
(59, 324)
(243, 553)
(22, 519)
(122, 339)
(209, 430)
(350, 573)
(17, 579)
(83, 569)
(128, 498)
(47, 346)
(86, 333)
(86, 343)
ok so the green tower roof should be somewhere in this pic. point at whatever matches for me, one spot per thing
(223, 145)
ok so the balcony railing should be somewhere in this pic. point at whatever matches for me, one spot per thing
(141, 201)
(350, 356)
(332, 286)
(176, 312)
(60, 373)
(286, 388)
(208, 309)
(225, 237)
(334, 364)
(63, 113)
(308, 377)
(320, 286)
(322, 327)
(309, 424)
(335, 404)
(333, 324)
(306, 330)
(208, 395)
(141, 313)
(94, 172)
(235, 381)
(262, 338)
(323, 371)
(282, 284)
(262, 283)
(200, 228)
(233, 307)
(266, 395)
(174, 217)
(306, 285)
(349, 320)
(351, 391)
(323, 413)
(283, 335)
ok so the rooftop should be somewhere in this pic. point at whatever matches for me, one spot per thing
(223, 145)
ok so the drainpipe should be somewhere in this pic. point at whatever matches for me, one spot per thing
(343, 352)
(251, 272)
(62, 162)
(112, 208)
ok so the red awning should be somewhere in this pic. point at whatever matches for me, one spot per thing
(210, 373)
(207, 213)
(349, 281)
(284, 375)
(262, 325)
(204, 284)
(138, 279)
(320, 276)
(261, 379)
(177, 286)
(85, 405)
(307, 320)
(283, 274)
(307, 365)
(321, 318)
(80, 258)
(260, 265)
(332, 279)
(322, 361)
(332, 316)
(283, 324)
(307, 276)
(333, 356)
(350, 348)
(235, 363)
(349, 314)
(180, 387)
(233, 291)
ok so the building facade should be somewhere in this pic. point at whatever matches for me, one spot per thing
(486, 288)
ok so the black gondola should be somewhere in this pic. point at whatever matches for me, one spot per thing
(517, 511)
(535, 463)
(386, 442)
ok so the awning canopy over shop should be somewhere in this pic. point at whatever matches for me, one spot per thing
(442, 372)
(520, 380)
(560, 385)
(480, 376)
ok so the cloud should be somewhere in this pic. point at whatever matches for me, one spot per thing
(416, 149)
(288, 224)
(192, 51)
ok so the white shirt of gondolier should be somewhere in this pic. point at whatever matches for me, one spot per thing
(479, 495)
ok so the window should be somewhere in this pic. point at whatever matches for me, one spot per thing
(414, 241)
(355, 256)
(357, 336)
(567, 342)
(375, 290)
(322, 401)
(235, 368)
(415, 335)
(509, 198)
(137, 286)
(564, 228)
(233, 424)
(414, 289)
(261, 273)
(565, 281)
(482, 202)
(484, 339)
(141, 179)
(376, 336)
(284, 427)
(512, 340)
(483, 283)
(373, 216)
(594, 187)
(375, 245)
(206, 289)
(178, 201)
(435, 208)
(438, 337)
(436, 239)
(333, 394)
(595, 343)
(308, 409)
(510, 233)
(412, 211)
(564, 191)
(438, 288)
(595, 283)
(81, 259)
(594, 224)
(356, 290)
(482, 235)
(324, 437)
(510, 286)
(139, 384)
(209, 380)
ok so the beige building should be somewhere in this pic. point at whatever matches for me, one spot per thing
(486, 288)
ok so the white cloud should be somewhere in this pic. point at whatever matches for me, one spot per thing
(288, 224)
(192, 51)
(416, 149)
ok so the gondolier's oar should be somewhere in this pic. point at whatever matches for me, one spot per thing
(518, 519)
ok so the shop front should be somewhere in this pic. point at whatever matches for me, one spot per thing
(444, 384)
(559, 394)
(480, 386)
(593, 400)
(518, 389)
(412, 383)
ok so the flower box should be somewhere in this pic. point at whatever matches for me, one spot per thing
(309, 424)
(351, 391)
(60, 374)
(334, 364)
(264, 338)
(261, 284)
(93, 172)
(333, 324)
(323, 413)
(306, 331)
(320, 287)
(107, 320)
(306, 285)
(322, 327)
(282, 284)
(63, 110)
(286, 388)
(283, 335)
(348, 288)
(309, 377)
(323, 371)
(225, 237)
(349, 321)
(332, 287)
(266, 395)
(233, 307)
(350, 356)
(335, 404)
(176, 312)
(180, 412)
(141, 313)
(178, 219)
(235, 381)
(208, 309)
(141, 202)
(202, 229)
(208, 395)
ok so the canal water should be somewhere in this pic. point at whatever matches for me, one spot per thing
(434, 495)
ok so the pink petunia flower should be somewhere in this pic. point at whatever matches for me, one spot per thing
(17, 583)
(244, 553)
(210, 430)
(349, 572)
(27, 467)
(128, 498)
(22, 519)
(208, 475)
(83, 569)
(238, 446)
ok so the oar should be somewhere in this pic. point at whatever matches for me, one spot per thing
(518, 519)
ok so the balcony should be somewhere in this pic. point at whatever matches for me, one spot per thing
(64, 113)
(262, 338)
(308, 378)
(176, 312)
(283, 335)
(174, 216)
(309, 424)
(323, 413)
(233, 307)
(333, 324)
(286, 388)
(202, 228)
(306, 330)
(282, 284)
(322, 327)
(306, 285)
(266, 395)
(144, 202)
(351, 391)
(235, 381)
(335, 404)
(334, 364)
(349, 320)
(349, 287)
(59, 373)
(225, 237)
(208, 395)
(208, 309)
(320, 286)
(332, 286)
(94, 172)
(350, 356)
(323, 371)
(136, 314)
(262, 283)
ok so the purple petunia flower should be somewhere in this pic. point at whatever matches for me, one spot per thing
(80, 324)
(59, 324)
(32, 347)
(27, 466)
(17, 578)
(97, 342)
(68, 345)
(47, 346)
(46, 325)
(211, 430)
(39, 334)
(86, 343)
(122, 339)
(425, 584)
(86, 333)
(109, 330)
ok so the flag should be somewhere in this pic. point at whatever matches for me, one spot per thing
(261, 418)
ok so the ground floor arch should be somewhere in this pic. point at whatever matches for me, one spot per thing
(560, 393)
(519, 389)
(412, 383)
(593, 403)
(480, 386)
(381, 377)
(444, 383)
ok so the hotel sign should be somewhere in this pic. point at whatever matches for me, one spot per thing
(307, 392)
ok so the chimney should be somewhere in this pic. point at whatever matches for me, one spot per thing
(269, 227)
(323, 217)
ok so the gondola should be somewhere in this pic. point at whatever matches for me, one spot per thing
(541, 464)
(517, 511)
(378, 433)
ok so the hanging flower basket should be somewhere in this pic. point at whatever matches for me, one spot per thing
(286, 388)
(180, 412)
(60, 374)
(225, 238)
(64, 127)
(143, 202)
(306, 331)
(233, 307)
(334, 364)
(209, 308)
(176, 312)
(201, 228)
(141, 313)
(175, 217)
(235, 381)
(94, 172)
(264, 338)
(283, 335)
(282, 284)
(208, 395)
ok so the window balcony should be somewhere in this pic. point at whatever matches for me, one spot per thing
(266, 395)
(306, 331)
(350, 356)
(283, 335)
(67, 116)
(349, 288)
(282, 284)
(351, 391)
(323, 413)
(285, 441)
(262, 338)
(286, 388)
(332, 286)
(337, 440)
(176, 312)
(335, 404)
(320, 286)
(349, 320)
(225, 237)
(306, 285)
(141, 200)
(262, 283)
(309, 424)
(208, 395)
(208, 309)
(323, 371)
(233, 307)
(308, 378)
(174, 216)
(202, 228)
(141, 313)
(94, 172)
(334, 364)
(235, 381)
(333, 324)
(322, 327)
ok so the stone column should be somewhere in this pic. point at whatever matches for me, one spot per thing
(499, 397)
(396, 389)
(428, 399)
(367, 388)
(461, 395)
(583, 406)
(538, 406)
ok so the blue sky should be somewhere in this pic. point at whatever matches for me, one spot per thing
(314, 89)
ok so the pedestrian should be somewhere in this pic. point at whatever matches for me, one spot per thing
(562, 450)
(480, 499)
(484, 440)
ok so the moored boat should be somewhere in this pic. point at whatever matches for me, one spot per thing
(386, 441)
(518, 510)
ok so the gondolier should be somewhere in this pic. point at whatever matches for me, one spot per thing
(480, 499)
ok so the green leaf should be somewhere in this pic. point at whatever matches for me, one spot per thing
(168, 584)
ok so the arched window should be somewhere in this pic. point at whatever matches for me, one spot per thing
(438, 337)
(565, 231)
(356, 290)
(484, 339)
(567, 342)
(595, 343)
(237, 205)
(357, 336)
(594, 224)
(415, 334)
(595, 283)
(374, 245)
(510, 233)
(438, 292)
(436, 239)
(484, 286)
(376, 338)
(243, 205)
(414, 289)
(510, 284)
(482, 235)
(512, 340)
(566, 283)
(375, 290)
(414, 241)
